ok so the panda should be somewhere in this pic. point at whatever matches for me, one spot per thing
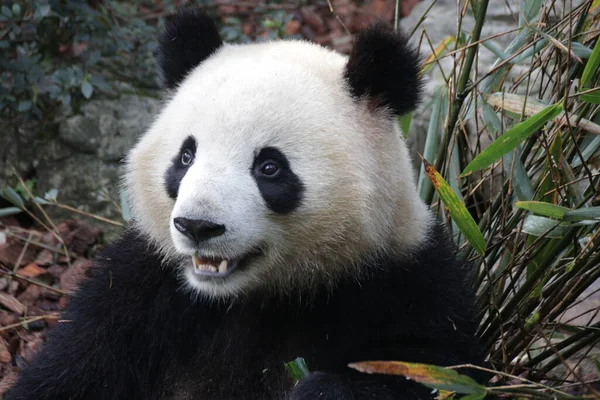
(275, 216)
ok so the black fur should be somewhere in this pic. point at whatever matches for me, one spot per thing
(189, 38)
(384, 68)
(282, 193)
(177, 170)
(133, 333)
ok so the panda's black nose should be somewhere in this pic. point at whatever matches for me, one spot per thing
(198, 230)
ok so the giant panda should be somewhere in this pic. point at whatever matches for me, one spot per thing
(275, 216)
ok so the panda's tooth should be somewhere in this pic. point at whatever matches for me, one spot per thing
(223, 267)
(195, 261)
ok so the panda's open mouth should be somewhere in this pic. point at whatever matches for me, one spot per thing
(219, 267)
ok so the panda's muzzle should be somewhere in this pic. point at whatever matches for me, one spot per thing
(219, 267)
(212, 266)
(198, 230)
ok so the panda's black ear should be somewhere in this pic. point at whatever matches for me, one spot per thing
(189, 38)
(384, 68)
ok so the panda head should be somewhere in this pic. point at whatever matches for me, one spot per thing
(277, 166)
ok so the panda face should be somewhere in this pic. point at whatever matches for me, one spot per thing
(263, 171)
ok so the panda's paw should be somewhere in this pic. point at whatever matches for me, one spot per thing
(322, 386)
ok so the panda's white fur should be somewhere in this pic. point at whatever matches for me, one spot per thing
(360, 193)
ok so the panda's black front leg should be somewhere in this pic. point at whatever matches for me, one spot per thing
(355, 386)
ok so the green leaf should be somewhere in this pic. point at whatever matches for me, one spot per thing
(5, 212)
(12, 196)
(543, 208)
(429, 375)
(542, 226)
(529, 10)
(6, 11)
(512, 138)
(583, 214)
(16, 10)
(24, 105)
(458, 212)
(404, 121)
(591, 97)
(596, 362)
(87, 89)
(41, 201)
(592, 65)
(432, 140)
(581, 50)
(512, 160)
(51, 195)
(474, 396)
(125, 210)
(546, 190)
(44, 10)
(297, 369)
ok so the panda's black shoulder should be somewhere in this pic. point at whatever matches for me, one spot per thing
(421, 298)
(436, 281)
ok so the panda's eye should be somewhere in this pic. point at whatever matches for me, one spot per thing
(269, 168)
(187, 157)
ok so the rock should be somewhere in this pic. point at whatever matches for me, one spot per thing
(83, 161)
(108, 128)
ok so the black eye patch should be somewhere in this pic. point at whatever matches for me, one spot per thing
(179, 166)
(277, 183)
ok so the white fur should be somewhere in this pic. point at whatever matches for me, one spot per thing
(360, 195)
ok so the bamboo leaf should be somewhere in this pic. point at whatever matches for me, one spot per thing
(512, 161)
(516, 104)
(588, 149)
(437, 53)
(528, 11)
(297, 369)
(542, 226)
(543, 208)
(429, 375)
(404, 122)
(125, 209)
(512, 138)
(474, 396)
(458, 212)
(551, 174)
(588, 213)
(591, 97)
(592, 65)
(581, 50)
(439, 105)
